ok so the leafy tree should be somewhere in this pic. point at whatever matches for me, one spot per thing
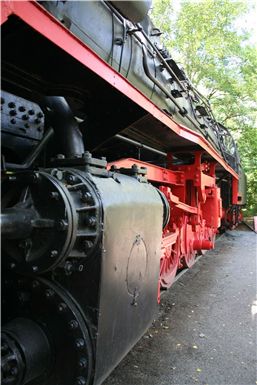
(218, 55)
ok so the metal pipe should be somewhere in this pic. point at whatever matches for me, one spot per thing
(165, 91)
(155, 81)
(16, 223)
(165, 64)
(65, 126)
(140, 145)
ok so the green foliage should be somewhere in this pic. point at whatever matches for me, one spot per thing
(207, 38)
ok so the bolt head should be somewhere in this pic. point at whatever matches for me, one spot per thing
(81, 381)
(68, 267)
(71, 179)
(82, 362)
(60, 156)
(91, 221)
(80, 343)
(88, 245)
(62, 307)
(86, 197)
(54, 195)
(62, 225)
(54, 253)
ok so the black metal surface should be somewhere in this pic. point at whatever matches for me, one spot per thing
(67, 330)
(28, 163)
(106, 258)
(22, 126)
(27, 352)
(21, 117)
(132, 228)
(133, 10)
(60, 216)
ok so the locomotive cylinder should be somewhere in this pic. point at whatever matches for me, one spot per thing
(99, 236)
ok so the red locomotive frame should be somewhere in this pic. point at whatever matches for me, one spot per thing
(191, 190)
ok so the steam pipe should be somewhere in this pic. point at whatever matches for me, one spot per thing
(65, 126)
(139, 145)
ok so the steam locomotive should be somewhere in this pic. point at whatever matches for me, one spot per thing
(115, 176)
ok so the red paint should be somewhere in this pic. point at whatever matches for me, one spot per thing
(196, 211)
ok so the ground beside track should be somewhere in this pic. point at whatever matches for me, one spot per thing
(206, 330)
